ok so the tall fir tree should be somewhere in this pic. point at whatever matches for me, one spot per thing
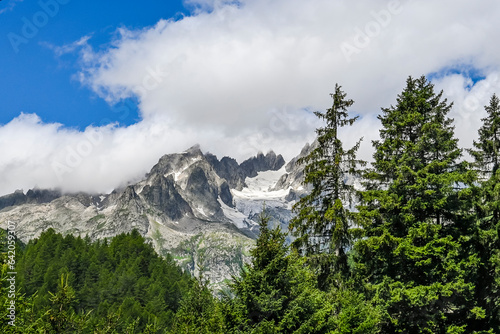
(486, 154)
(270, 286)
(416, 258)
(323, 226)
(416, 160)
(487, 161)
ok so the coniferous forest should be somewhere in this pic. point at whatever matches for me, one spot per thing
(415, 249)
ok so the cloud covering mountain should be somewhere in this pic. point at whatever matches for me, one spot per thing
(239, 77)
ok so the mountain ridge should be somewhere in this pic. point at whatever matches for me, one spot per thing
(190, 204)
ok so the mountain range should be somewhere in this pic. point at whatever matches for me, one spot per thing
(201, 210)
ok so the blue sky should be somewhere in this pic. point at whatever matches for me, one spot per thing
(102, 89)
(35, 80)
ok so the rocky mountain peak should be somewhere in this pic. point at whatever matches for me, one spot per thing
(235, 174)
(33, 196)
(261, 163)
(294, 177)
(228, 169)
(175, 162)
(194, 150)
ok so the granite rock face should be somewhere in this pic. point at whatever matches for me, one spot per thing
(235, 174)
(261, 163)
(228, 169)
(33, 196)
(162, 195)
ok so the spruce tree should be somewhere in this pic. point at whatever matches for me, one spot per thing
(277, 293)
(265, 289)
(416, 258)
(487, 241)
(416, 161)
(487, 152)
(323, 225)
(487, 161)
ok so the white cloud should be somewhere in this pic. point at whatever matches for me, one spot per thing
(469, 102)
(69, 48)
(240, 76)
(99, 159)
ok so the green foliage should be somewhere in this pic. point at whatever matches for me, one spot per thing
(122, 285)
(416, 171)
(279, 294)
(323, 226)
(199, 312)
(418, 261)
(487, 152)
(351, 312)
(486, 239)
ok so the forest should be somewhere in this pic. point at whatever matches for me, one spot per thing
(415, 249)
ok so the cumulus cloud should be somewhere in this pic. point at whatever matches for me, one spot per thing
(244, 76)
(100, 159)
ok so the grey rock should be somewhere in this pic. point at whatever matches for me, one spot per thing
(262, 162)
(162, 195)
(228, 169)
(235, 174)
(35, 196)
(225, 194)
(294, 178)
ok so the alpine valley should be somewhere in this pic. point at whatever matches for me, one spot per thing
(201, 210)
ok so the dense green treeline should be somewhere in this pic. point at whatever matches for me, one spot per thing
(124, 285)
(415, 250)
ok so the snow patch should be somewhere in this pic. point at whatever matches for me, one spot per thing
(200, 210)
(236, 217)
(178, 173)
(258, 192)
(259, 187)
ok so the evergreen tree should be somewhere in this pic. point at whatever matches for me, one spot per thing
(487, 162)
(199, 312)
(323, 224)
(61, 317)
(487, 241)
(416, 165)
(278, 293)
(487, 152)
(417, 258)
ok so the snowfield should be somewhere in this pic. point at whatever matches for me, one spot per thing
(250, 200)
(259, 187)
